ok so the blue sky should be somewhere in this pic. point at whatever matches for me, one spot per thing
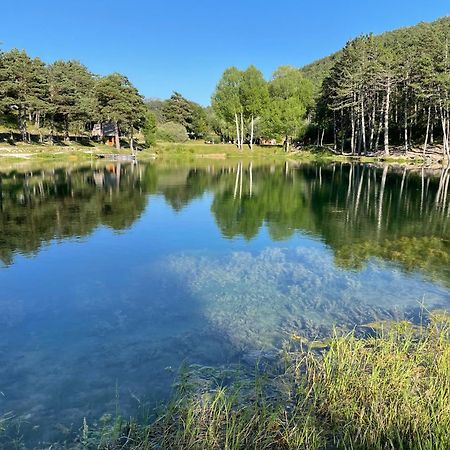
(170, 45)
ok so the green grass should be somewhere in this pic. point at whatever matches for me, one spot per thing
(198, 149)
(389, 390)
(192, 150)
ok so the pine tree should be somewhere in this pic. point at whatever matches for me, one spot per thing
(22, 86)
(120, 102)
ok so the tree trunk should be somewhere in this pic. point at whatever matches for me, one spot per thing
(359, 135)
(363, 126)
(427, 132)
(52, 129)
(334, 132)
(132, 141)
(448, 133)
(386, 118)
(432, 133)
(116, 135)
(444, 129)
(380, 126)
(286, 144)
(22, 123)
(405, 124)
(66, 129)
(352, 142)
(372, 126)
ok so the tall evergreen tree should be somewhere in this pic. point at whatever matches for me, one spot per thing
(71, 94)
(23, 86)
(120, 102)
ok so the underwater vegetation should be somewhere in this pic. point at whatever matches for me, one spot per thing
(386, 390)
(257, 299)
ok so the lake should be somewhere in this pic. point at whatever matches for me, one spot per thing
(113, 276)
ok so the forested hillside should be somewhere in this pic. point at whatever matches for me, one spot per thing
(388, 89)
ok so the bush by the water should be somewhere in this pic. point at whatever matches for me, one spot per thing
(387, 390)
(171, 132)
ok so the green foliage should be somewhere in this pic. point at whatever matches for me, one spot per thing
(291, 95)
(23, 86)
(64, 96)
(150, 129)
(171, 132)
(394, 87)
(156, 107)
(71, 98)
(285, 118)
(177, 109)
(198, 125)
(226, 101)
(288, 82)
(278, 109)
(119, 101)
(219, 127)
(254, 94)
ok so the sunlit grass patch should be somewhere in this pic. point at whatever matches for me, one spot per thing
(386, 391)
(391, 390)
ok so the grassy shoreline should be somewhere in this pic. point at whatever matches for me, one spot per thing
(389, 388)
(192, 151)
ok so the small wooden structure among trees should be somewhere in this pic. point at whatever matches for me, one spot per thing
(109, 134)
(106, 132)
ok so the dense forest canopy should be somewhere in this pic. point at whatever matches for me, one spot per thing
(376, 94)
(64, 97)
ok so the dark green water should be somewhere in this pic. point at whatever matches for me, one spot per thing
(112, 276)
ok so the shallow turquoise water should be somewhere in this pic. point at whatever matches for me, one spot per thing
(113, 276)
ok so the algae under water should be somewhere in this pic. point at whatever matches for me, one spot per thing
(112, 276)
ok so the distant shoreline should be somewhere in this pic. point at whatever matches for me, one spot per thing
(74, 151)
